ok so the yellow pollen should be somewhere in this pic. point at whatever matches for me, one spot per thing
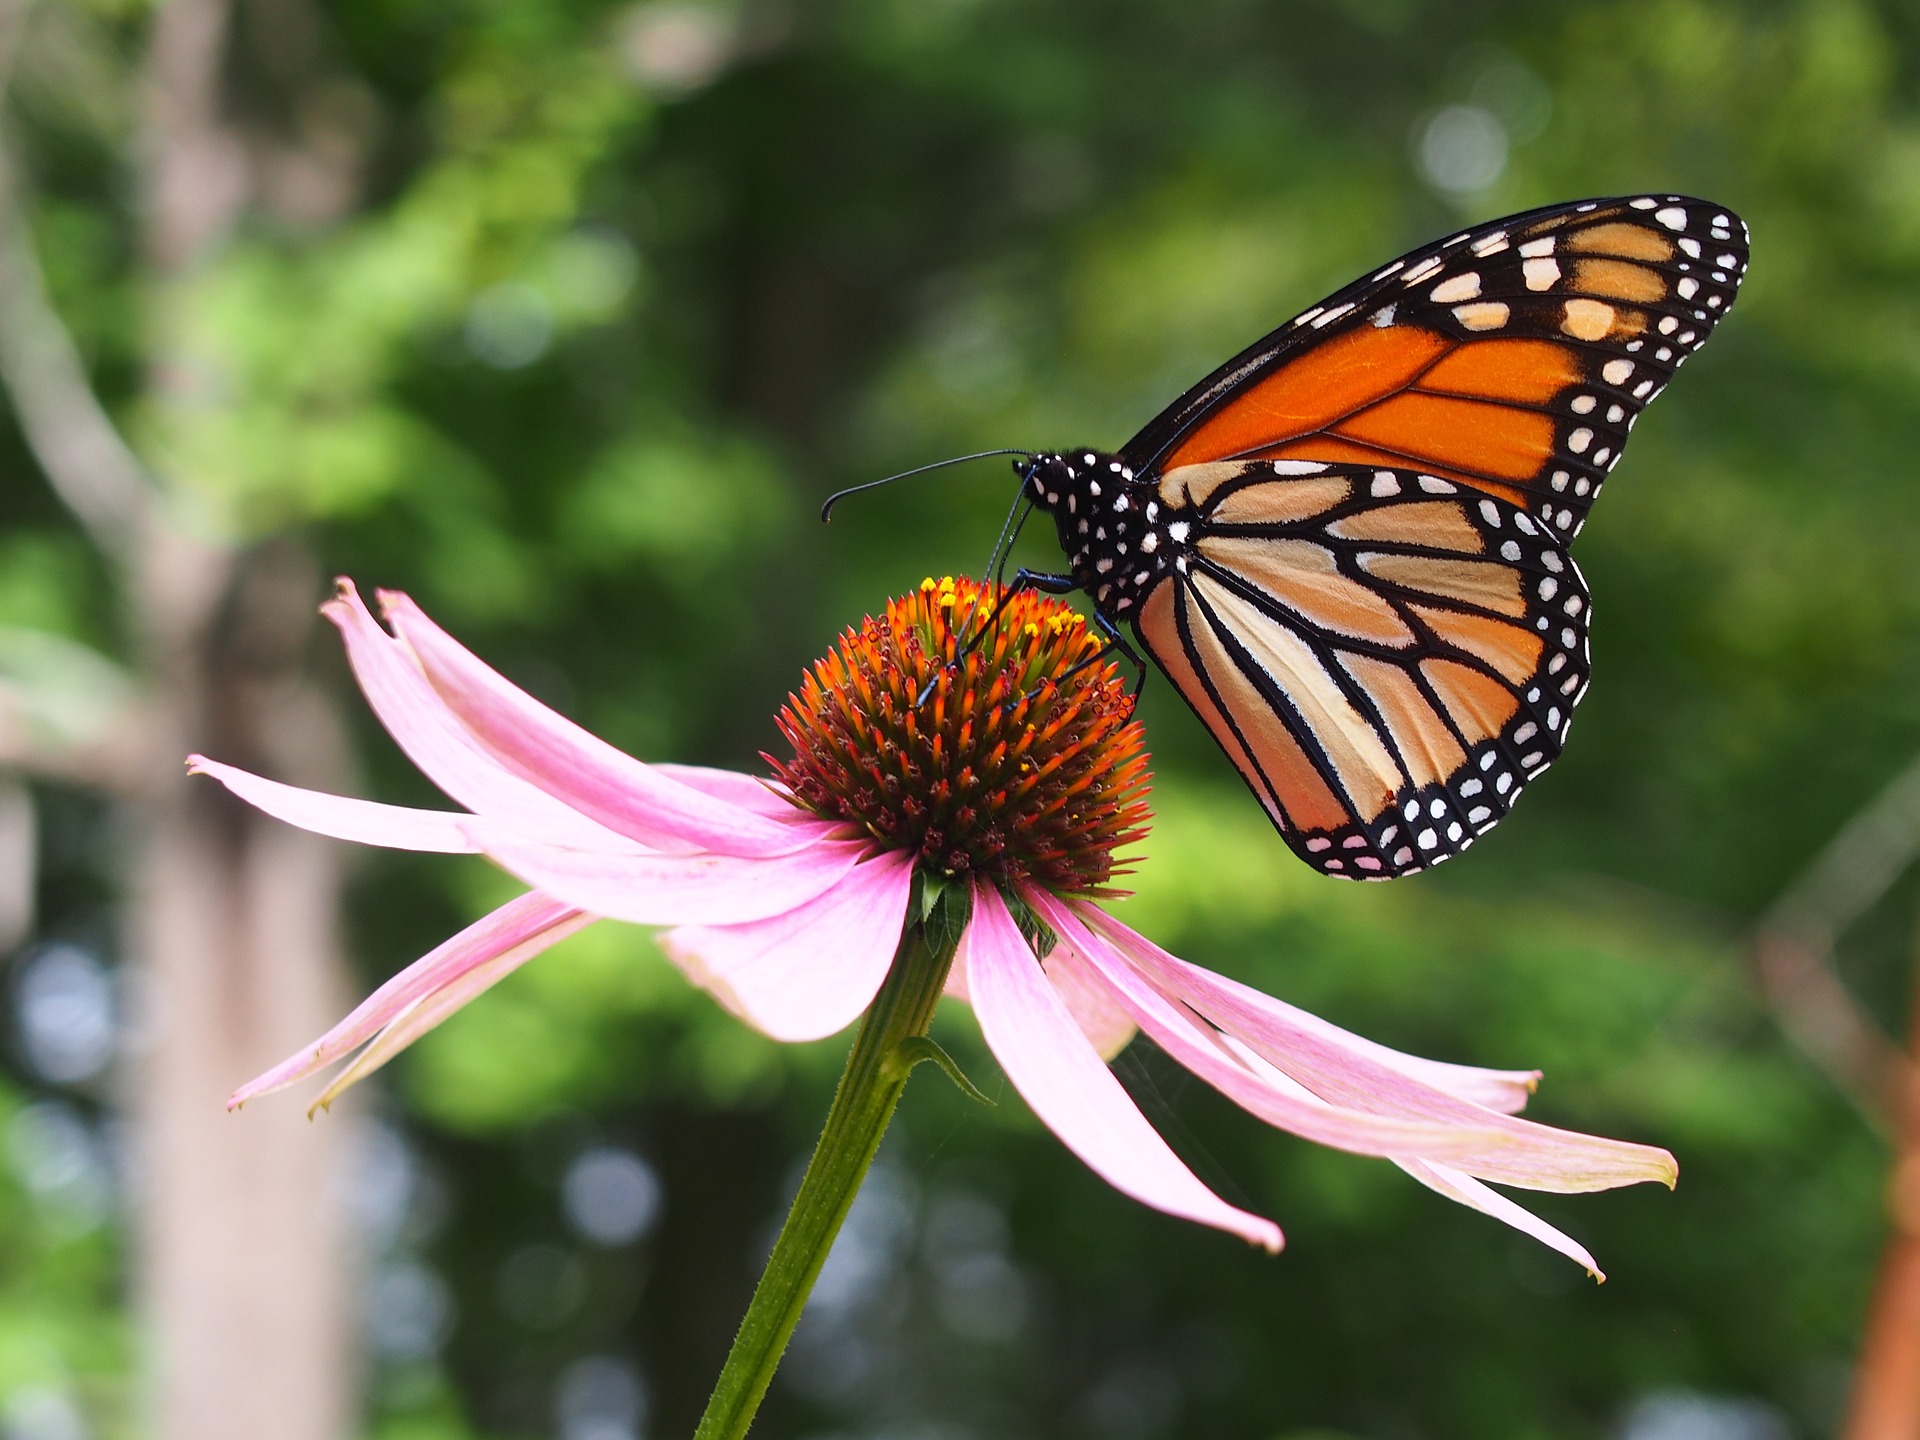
(927, 584)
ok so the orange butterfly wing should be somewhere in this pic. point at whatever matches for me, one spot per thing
(1375, 613)
(1514, 358)
(1388, 657)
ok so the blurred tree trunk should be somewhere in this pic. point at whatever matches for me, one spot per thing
(1794, 959)
(1885, 1404)
(243, 1266)
(244, 1271)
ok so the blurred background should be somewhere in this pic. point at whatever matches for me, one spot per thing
(563, 315)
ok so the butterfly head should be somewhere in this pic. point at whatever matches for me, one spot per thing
(1110, 522)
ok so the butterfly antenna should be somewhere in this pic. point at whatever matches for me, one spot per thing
(826, 510)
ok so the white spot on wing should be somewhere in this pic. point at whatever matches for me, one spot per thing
(1486, 315)
(1455, 288)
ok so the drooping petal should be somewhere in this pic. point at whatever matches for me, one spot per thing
(1254, 1013)
(671, 889)
(422, 726)
(563, 759)
(1105, 1023)
(1374, 1078)
(810, 972)
(1445, 1180)
(1057, 1071)
(1483, 1143)
(956, 986)
(425, 1014)
(364, 821)
(521, 928)
(1107, 1026)
(749, 792)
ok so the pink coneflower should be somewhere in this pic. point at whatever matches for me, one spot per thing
(1008, 790)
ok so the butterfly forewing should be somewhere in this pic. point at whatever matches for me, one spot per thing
(1387, 655)
(1514, 358)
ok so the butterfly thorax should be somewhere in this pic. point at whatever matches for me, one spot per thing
(1120, 539)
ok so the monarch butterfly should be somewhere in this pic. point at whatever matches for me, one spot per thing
(1347, 547)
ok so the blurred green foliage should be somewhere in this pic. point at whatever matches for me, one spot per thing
(621, 291)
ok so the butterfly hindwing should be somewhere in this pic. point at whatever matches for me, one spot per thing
(1387, 655)
(1514, 357)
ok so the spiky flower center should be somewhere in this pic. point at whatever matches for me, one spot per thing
(1023, 762)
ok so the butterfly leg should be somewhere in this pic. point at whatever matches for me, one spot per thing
(1118, 642)
(1116, 645)
(1023, 579)
(1002, 552)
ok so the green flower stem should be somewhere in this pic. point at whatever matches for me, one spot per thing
(890, 1044)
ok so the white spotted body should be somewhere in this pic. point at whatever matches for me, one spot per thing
(1119, 538)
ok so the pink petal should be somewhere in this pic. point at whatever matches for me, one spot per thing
(749, 792)
(1444, 1180)
(812, 971)
(425, 1014)
(564, 760)
(1370, 1078)
(434, 740)
(671, 889)
(1108, 1027)
(521, 928)
(1280, 1025)
(363, 821)
(1105, 1023)
(956, 987)
(1055, 1069)
(1484, 1143)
